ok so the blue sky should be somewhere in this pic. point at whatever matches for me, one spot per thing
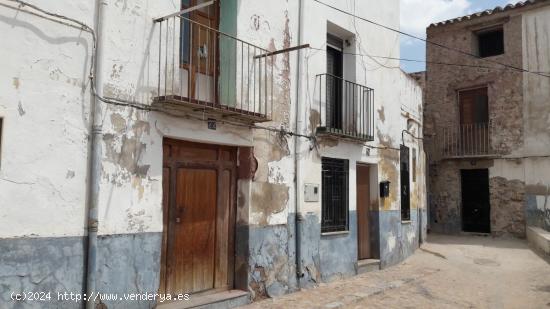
(416, 15)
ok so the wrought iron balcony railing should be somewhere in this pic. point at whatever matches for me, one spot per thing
(346, 108)
(203, 69)
(465, 140)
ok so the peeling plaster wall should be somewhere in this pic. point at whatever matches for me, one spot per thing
(44, 103)
(44, 100)
(398, 105)
(43, 171)
(536, 57)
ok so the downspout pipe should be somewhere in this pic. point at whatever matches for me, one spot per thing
(297, 145)
(94, 164)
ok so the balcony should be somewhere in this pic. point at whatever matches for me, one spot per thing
(465, 141)
(346, 109)
(207, 72)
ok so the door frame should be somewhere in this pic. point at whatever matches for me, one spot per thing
(365, 208)
(219, 166)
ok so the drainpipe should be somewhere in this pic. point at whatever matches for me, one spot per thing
(298, 193)
(94, 164)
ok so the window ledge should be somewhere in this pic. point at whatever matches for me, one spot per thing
(406, 221)
(335, 233)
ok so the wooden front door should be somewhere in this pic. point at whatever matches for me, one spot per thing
(199, 193)
(363, 212)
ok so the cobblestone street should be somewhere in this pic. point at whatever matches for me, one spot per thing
(447, 272)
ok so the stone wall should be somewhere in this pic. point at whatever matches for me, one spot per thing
(504, 85)
(505, 94)
(507, 206)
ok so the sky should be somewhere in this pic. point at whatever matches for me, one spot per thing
(416, 15)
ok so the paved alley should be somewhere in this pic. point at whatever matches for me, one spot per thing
(448, 272)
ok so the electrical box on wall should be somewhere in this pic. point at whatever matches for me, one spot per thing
(311, 192)
(384, 188)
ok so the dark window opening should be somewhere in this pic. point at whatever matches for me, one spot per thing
(490, 43)
(414, 165)
(335, 202)
(1, 126)
(405, 184)
(334, 82)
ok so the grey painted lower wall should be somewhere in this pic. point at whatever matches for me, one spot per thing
(338, 253)
(129, 263)
(398, 240)
(126, 264)
(271, 261)
(271, 250)
(41, 265)
(537, 211)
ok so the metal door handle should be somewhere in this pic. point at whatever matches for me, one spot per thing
(178, 220)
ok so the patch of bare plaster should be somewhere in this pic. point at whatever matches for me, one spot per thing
(275, 147)
(267, 200)
(275, 175)
(314, 120)
(118, 122)
(388, 167)
(381, 114)
(20, 109)
(136, 221)
(115, 71)
(271, 47)
(16, 82)
(70, 174)
(128, 155)
(126, 151)
(328, 141)
(113, 91)
(282, 93)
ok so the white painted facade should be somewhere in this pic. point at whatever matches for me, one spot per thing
(45, 101)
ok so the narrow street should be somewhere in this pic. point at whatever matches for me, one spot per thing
(447, 272)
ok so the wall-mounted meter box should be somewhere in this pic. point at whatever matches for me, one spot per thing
(311, 192)
(385, 189)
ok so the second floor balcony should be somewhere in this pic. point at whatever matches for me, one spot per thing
(346, 109)
(465, 141)
(209, 72)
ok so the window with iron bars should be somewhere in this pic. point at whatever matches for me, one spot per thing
(335, 202)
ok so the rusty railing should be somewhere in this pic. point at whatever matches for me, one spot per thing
(205, 69)
(466, 140)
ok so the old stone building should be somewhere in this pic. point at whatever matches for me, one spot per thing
(486, 120)
(195, 153)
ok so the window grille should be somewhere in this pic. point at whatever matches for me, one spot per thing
(335, 202)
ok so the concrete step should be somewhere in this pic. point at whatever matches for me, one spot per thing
(219, 300)
(368, 265)
(539, 239)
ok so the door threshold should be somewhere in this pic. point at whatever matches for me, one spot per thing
(367, 265)
(223, 299)
(475, 234)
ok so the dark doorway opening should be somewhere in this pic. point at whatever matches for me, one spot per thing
(335, 72)
(475, 201)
